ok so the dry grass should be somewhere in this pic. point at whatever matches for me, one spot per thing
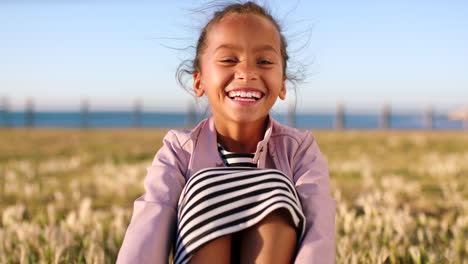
(66, 195)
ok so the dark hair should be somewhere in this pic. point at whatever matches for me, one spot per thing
(192, 66)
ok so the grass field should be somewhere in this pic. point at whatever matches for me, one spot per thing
(66, 195)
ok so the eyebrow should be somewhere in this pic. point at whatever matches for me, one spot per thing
(265, 47)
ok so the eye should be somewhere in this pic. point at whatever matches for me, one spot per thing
(265, 62)
(229, 60)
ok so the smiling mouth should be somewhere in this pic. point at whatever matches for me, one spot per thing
(249, 96)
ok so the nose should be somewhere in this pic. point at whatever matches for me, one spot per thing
(246, 71)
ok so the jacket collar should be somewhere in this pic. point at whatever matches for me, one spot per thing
(262, 146)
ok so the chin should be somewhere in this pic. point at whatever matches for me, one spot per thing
(249, 119)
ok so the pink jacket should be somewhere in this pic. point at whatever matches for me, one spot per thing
(150, 235)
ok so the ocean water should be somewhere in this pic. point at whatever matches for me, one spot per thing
(177, 120)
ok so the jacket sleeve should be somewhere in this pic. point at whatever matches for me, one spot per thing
(313, 185)
(150, 235)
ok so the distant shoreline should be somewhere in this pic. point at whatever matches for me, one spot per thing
(150, 120)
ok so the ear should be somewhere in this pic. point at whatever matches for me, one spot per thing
(282, 93)
(197, 87)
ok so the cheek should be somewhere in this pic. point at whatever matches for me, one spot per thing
(218, 76)
(275, 78)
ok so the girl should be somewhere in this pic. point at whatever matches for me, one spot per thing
(240, 187)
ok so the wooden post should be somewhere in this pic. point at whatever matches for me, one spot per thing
(291, 119)
(340, 117)
(29, 113)
(5, 109)
(191, 114)
(84, 122)
(460, 114)
(429, 118)
(385, 118)
(137, 108)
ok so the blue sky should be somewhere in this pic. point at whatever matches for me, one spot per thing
(362, 53)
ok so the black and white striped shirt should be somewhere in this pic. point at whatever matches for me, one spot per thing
(233, 159)
(219, 201)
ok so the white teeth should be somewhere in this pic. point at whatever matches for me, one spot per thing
(253, 94)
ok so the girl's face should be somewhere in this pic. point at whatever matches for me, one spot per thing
(241, 69)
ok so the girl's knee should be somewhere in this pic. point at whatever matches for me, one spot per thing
(215, 251)
(280, 218)
(272, 240)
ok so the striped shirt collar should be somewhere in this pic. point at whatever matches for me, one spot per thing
(233, 159)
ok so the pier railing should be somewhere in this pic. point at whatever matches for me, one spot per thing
(341, 119)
